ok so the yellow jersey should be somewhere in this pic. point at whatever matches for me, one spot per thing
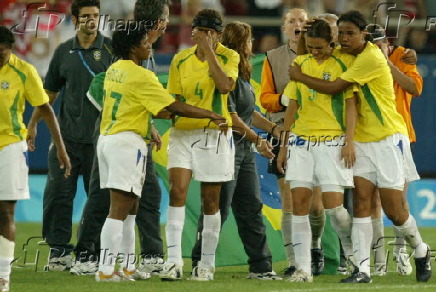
(320, 116)
(19, 81)
(131, 93)
(377, 113)
(190, 78)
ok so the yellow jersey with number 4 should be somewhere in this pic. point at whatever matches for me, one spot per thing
(377, 113)
(131, 94)
(190, 78)
(320, 115)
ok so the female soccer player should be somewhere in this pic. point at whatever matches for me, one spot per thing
(132, 93)
(383, 157)
(19, 82)
(319, 151)
(202, 76)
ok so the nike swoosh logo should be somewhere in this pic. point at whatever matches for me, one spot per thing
(71, 51)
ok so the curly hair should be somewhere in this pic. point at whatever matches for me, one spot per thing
(355, 17)
(124, 40)
(210, 14)
(320, 29)
(149, 11)
(6, 36)
(235, 36)
(79, 4)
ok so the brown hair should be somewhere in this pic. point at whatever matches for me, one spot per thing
(235, 36)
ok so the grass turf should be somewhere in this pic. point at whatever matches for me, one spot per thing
(226, 278)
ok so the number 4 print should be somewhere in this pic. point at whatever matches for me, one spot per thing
(198, 91)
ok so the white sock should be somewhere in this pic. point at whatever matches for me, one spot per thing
(400, 242)
(378, 241)
(110, 241)
(341, 222)
(317, 223)
(210, 235)
(127, 247)
(6, 257)
(287, 237)
(361, 236)
(411, 234)
(301, 239)
(173, 230)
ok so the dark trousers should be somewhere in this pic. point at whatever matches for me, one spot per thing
(59, 195)
(97, 208)
(243, 195)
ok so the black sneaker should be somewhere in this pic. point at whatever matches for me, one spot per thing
(317, 261)
(423, 267)
(357, 278)
(289, 271)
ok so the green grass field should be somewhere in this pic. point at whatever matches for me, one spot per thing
(226, 278)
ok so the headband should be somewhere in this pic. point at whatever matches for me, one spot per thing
(201, 21)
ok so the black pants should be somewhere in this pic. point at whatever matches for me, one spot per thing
(60, 192)
(97, 208)
(243, 195)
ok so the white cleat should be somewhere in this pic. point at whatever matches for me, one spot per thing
(134, 275)
(404, 268)
(202, 274)
(59, 264)
(301, 276)
(379, 270)
(264, 276)
(153, 265)
(115, 277)
(171, 272)
(85, 268)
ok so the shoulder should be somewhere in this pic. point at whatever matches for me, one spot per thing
(23, 67)
(226, 54)
(303, 58)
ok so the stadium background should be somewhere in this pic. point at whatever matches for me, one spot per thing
(41, 34)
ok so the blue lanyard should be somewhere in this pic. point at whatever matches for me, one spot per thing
(84, 63)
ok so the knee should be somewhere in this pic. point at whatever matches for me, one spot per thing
(210, 205)
(7, 212)
(398, 217)
(177, 196)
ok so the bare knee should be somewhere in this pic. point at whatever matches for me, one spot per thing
(177, 196)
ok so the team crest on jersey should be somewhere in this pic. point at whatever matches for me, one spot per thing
(326, 76)
(97, 55)
(4, 85)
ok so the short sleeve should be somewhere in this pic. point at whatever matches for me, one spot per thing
(291, 90)
(174, 84)
(95, 92)
(34, 90)
(231, 66)
(364, 69)
(153, 96)
(53, 81)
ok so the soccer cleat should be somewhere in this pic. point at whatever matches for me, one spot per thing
(404, 268)
(317, 261)
(4, 285)
(85, 268)
(59, 264)
(171, 272)
(379, 270)
(264, 276)
(300, 276)
(343, 270)
(357, 277)
(115, 277)
(289, 271)
(135, 274)
(202, 274)
(153, 265)
(423, 267)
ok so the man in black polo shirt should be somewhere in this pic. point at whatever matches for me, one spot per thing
(72, 68)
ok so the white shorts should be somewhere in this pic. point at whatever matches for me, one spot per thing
(387, 163)
(14, 172)
(320, 164)
(122, 161)
(208, 153)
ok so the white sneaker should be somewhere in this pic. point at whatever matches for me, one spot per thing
(115, 277)
(59, 264)
(85, 268)
(4, 285)
(202, 274)
(152, 265)
(171, 272)
(264, 276)
(135, 275)
(404, 268)
(301, 276)
(380, 270)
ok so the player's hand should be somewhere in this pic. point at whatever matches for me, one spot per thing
(410, 57)
(203, 39)
(221, 122)
(64, 161)
(264, 148)
(277, 132)
(282, 160)
(294, 72)
(348, 154)
(31, 136)
(156, 138)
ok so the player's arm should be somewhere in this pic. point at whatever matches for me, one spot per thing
(348, 152)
